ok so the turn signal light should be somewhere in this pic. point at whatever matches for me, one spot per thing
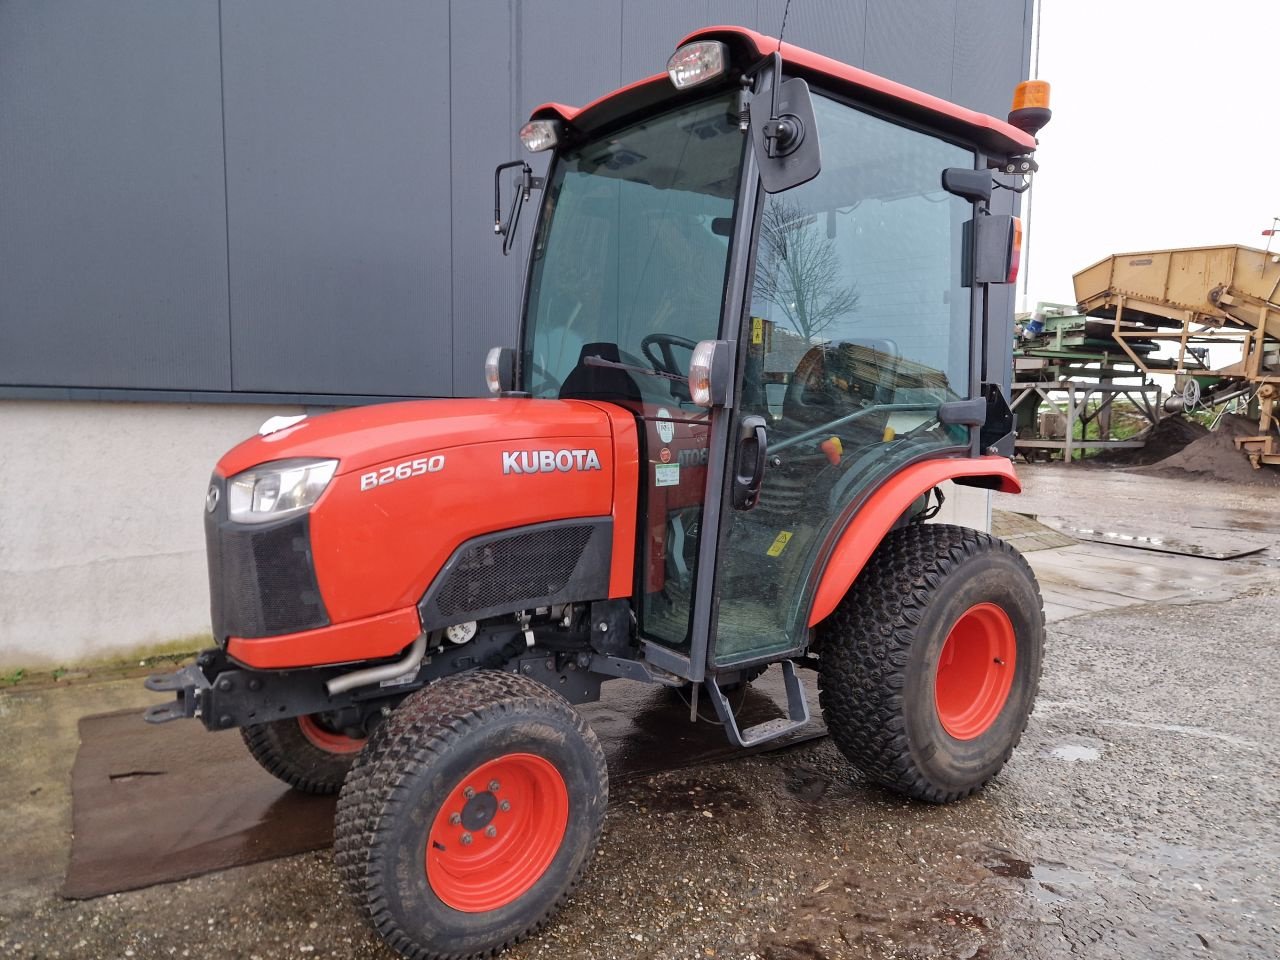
(1015, 255)
(499, 370)
(700, 365)
(1030, 110)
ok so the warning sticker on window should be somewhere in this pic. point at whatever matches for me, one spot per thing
(780, 543)
(666, 474)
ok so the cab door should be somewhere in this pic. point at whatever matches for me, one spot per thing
(858, 328)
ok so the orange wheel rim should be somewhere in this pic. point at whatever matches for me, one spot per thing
(975, 671)
(327, 740)
(497, 832)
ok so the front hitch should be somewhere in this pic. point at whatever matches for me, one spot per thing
(190, 684)
(224, 695)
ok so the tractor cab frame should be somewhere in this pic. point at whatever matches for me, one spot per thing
(798, 322)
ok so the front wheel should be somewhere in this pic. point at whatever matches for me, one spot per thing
(471, 815)
(930, 665)
(305, 752)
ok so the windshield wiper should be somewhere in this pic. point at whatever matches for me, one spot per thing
(597, 361)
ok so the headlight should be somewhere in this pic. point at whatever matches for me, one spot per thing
(277, 489)
(695, 63)
(539, 135)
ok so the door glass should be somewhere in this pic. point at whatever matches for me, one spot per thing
(859, 329)
(628, 274)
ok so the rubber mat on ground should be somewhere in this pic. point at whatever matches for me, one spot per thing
(156, 804)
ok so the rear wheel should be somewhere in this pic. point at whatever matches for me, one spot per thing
(471, 816)
(305, 752)
(930, 665)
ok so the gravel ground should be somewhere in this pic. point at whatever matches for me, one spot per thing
(1140, 818)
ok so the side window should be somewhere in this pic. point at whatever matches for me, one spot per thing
(858, 299)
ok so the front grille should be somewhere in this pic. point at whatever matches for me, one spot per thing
(561, 561)
(262, 580)
(513, 569)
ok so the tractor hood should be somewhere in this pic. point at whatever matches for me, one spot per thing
(364, 436)
(418, 480)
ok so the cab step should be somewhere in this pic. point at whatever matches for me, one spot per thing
(797, 712)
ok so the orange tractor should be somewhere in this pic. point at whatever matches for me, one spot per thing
(753, 346)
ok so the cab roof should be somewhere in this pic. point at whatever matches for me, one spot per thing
(747, 47)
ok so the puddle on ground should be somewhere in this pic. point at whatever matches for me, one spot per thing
(1071, 752)
(1050, 882)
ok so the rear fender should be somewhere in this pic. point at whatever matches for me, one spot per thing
(882, 509)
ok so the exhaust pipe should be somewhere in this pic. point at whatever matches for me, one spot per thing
(388, 671)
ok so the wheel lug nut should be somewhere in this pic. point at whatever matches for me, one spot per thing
(504, 806)
(468, 793)
(466, 839)
(455, 819)
(491, 831)
(493, 786)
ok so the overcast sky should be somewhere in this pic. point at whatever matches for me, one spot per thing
(1165, 131)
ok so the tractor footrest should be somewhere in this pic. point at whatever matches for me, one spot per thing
(188, 683)
(797, 712)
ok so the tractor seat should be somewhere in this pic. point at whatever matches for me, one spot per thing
(832, 380)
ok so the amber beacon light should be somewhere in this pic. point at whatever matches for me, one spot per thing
(1030, 110)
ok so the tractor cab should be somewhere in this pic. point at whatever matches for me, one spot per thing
(790, 323)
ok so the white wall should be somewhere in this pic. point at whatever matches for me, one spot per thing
(965, 506)
(101, 523)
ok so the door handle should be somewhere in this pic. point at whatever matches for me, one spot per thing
(749, 462)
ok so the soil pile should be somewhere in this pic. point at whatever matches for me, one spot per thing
(1216, 456)
(1166, 438)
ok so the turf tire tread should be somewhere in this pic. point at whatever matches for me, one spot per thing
(281, 749)
(419, 729)
(865, 645)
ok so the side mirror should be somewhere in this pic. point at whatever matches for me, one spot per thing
(711, 373)
(972, 185)
(500, 370)
(784, 133)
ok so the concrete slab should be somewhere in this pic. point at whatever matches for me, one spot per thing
(1089, 575)
(1113, 579)
(1026, 532)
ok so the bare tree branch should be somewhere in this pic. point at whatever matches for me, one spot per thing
(799, 271)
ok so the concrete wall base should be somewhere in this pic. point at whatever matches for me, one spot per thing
(101, 532)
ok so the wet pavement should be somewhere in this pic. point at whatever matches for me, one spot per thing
(154, 804)
(1140, 818)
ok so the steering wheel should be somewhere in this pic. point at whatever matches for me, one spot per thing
(665, 342)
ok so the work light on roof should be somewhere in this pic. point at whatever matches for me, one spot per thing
(696, 63)
(539, 135)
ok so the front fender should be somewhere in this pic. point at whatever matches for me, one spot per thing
(878, 514)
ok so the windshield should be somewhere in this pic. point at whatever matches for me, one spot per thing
(629, 264)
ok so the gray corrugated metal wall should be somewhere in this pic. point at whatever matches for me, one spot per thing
(295, 196)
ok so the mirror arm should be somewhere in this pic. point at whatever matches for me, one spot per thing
(528, 183)
(781, 134)
(498, 227)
